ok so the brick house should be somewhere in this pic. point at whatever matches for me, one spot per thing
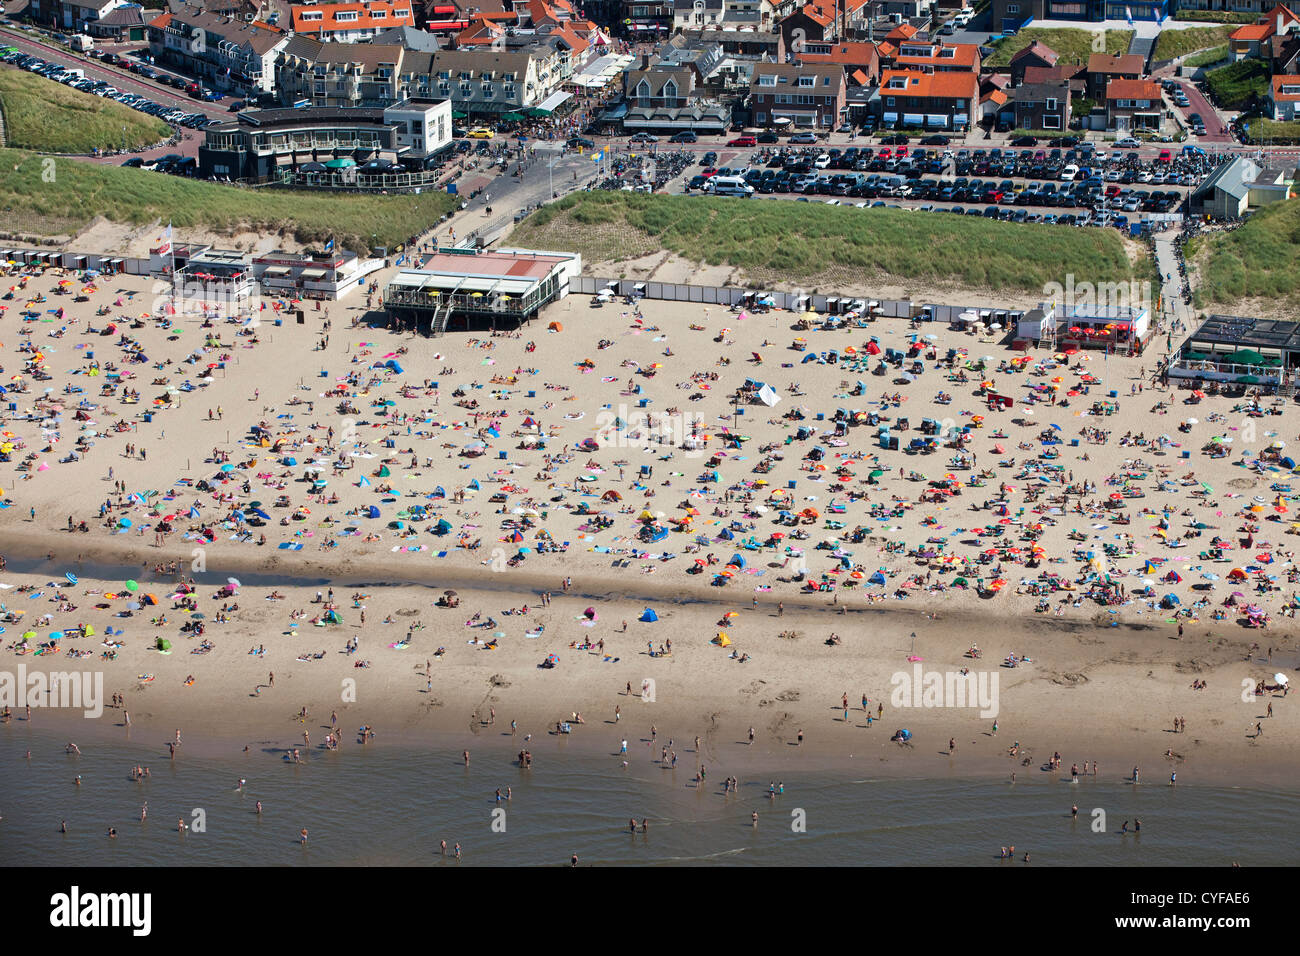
(1036, 54)
(907, 98)
(1102, 68)
(1133, 105)
(802, 94)
(1043, 105)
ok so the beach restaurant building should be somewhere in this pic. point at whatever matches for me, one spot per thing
(1121, 329)
(202, 272)
(1239, 350)
(463, 289)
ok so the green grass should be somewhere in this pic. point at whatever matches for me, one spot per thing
(80, 191)
(1235, 85)
(1207, 57)
(1042, 134)
(815, 245)
(1259, 260)
(52, 118)
(1272, 132)
(1072, 45)
(1216, 16)
(1174, 43)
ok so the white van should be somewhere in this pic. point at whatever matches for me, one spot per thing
(1069, 172)
(728, 186)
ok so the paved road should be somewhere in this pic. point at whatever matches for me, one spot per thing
(118, 77)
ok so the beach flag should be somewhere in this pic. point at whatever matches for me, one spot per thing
(329, 246)
(165, 241)
(598, 155)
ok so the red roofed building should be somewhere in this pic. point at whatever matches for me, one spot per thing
(912, 99)
(1133, 104)
(934, 57)
(852, 57)
(351, 22)
(1284, 95)
(1250, 40)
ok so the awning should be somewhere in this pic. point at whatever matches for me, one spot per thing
(312, 275)
(274, 272)
(553, 101)
(932, 119)
(615, 114)
(961, 118)
(913, 119)
(890, 117)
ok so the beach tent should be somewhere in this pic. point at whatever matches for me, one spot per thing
(768, 396)
(442, 527)
(392, 364)
(877, 578)
(163, 644)
(372, 511)
(332, 617)
(648, 616)
(722, 640)
(738, 561)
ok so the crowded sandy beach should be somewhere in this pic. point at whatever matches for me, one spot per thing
(637, 514)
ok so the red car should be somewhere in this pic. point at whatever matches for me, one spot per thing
(884, 153)
(901, 152)
(744, 141)
(1165, 156)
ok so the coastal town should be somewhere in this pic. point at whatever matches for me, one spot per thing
(678, 394)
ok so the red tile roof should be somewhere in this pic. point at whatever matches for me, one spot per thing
(397, 13)
(950, 85)
(1133, 90)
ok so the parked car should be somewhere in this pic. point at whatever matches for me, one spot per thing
(1020, 141)
(804, 137)
(685, 136)
(1127, 142)
(768, 138)
(480, 132)
(743, 141)
(636, 138)
(578, 142)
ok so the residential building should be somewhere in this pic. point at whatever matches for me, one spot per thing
(78, 14)
(664, 97)
(1102, 68)
(784, 94)
(1043, 106)
(125, 24)
(350, 22)
(861, 61)
(911, 99)
(478, 82)
(927, 56)
(229, 54)
(1133, 105)
(1075, 76)
(1035, 54)
(1253, 39)
(1284, 97)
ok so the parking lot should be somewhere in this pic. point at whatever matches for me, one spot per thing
(1082, 186)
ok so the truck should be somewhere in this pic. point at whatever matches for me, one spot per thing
(81, 43)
